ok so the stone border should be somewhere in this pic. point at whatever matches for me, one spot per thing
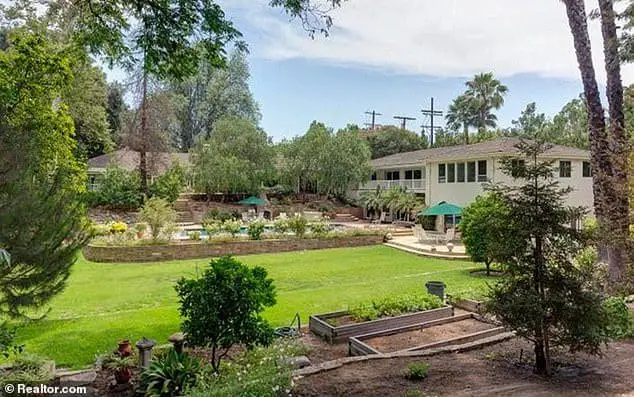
(196, 250)
(334, 364)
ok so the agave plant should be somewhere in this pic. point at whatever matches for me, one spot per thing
(170, 375)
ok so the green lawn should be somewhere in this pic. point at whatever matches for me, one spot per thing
(107, 302)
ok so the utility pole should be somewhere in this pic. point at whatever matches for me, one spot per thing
(373, 114)
(404, 120)
(431, 113)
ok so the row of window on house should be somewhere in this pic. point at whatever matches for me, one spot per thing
(396, 175)
(476, 171)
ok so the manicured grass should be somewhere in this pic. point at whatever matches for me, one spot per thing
(108, 302)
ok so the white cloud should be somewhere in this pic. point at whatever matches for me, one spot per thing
(444, 38)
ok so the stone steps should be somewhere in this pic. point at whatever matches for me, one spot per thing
(345, 218)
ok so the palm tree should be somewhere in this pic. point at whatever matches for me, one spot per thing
(407, 203)
(462, 114)
(488, 94)
(373, 201)
(390, 199)
(610, 203)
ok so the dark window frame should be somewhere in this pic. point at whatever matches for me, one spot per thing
(461, 174)
(471, 171)
(451, 173)
(565, 171)
(442, 176)
(587, 169)
(482, 176)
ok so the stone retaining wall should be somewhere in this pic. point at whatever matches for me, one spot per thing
(194, 250)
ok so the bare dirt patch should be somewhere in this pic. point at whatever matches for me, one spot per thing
(492, 371)
(423, 336)
(320, 350)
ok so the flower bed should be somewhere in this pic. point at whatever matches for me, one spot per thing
(192, 250)
(324, 326)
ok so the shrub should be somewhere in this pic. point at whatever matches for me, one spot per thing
(8, 347)
(417, 371)
(119, 188)
(255, 229)
(321, 228)
(232, 227)
(261, 372)
(618, 318)
(100, 229)
(225, 216)
(298, 225)
(171, 374)
(280, 225)
(27, 369)
(212, 227)
(118, 227)
(394, 306)
(195, 235)
(224, 307)
(169, 185)
(159, 214)
(141, 227)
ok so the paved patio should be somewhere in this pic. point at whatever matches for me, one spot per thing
(411, 244)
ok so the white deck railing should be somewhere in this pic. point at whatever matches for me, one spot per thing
(413, 184)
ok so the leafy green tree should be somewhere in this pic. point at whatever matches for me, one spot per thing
(158, 214)
(224, 307)
(325, 163)
(41, 182)
(484, 230)
(237, 158)
(570, 126)
(462, 115)
(86, 100)
(530, 124)
(487, 94)
(389, 140)
(119, 188)
(543, 296)
(115, 109)
(212, 94)
(169, 185)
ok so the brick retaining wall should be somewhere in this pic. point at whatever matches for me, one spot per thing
(192, 250)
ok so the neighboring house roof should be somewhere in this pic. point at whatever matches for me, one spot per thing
(158, 163)
(495, 148)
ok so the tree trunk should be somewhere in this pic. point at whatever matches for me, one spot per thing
(466, 133)
(143, 137)
(599, 149)
(619, 208)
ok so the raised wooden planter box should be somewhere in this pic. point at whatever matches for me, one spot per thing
(469, 305)
(357, 346)
(337, 334)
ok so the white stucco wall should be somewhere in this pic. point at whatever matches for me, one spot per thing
(463, 194)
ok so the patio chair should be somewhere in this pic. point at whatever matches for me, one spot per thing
(245, 217)
(450, 235)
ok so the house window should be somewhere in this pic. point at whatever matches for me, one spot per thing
(451, 173)
(418, 174)
(442, 173)
(587, 170)
(471, 171)
(482, 171)
(565, 169)
(517, 166)
(461, 174)
(373, 176)
(393, 175)
(409, 174)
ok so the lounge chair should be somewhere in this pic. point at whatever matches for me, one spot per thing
(451, 235)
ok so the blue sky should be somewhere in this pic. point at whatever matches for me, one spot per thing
(393, 55)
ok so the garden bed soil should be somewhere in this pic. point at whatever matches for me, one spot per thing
(491, 371)
(424, 336)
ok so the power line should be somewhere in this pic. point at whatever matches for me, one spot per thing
(404, 120)
(431, 113)
(373, 114)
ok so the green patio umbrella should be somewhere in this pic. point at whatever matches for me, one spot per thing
(252, 201)
(441, 209)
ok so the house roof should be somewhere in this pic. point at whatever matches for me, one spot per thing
(128, 159)
(495, 148)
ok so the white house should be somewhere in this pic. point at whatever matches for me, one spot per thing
(456, 174)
